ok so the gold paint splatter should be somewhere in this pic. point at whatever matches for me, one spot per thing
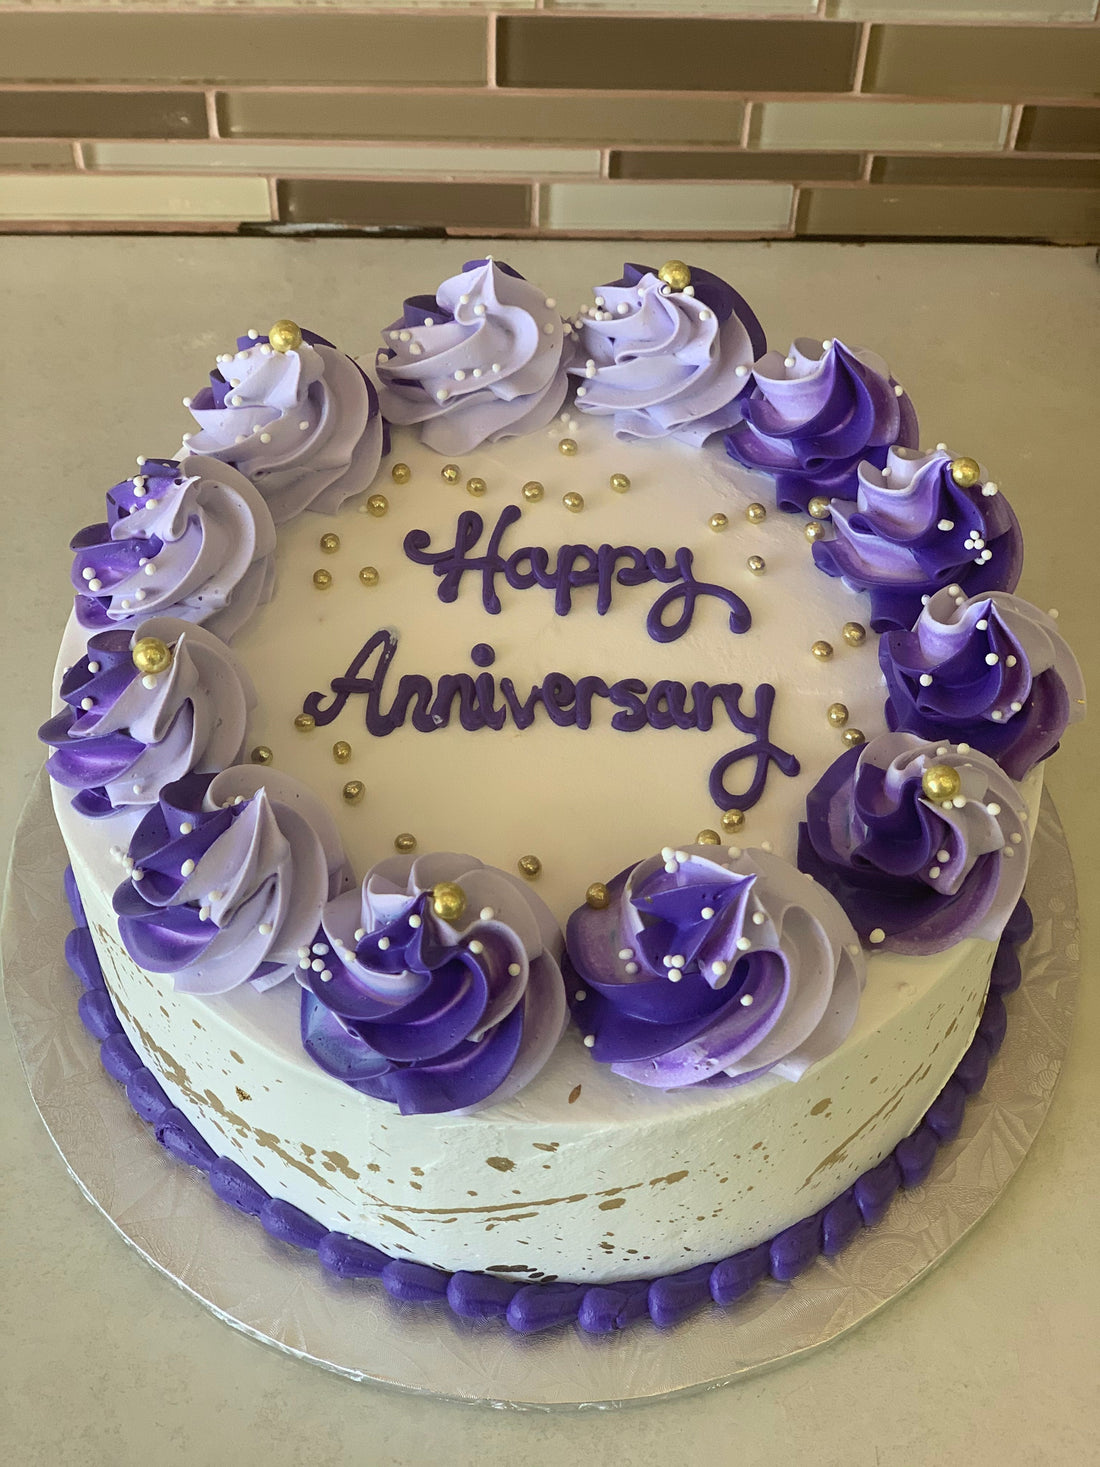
(672, 1177)
(341, 1164)
(500, 1163)
(397, 1224)
(243, 1095)
(611, 1203)
(821, 1105)
(236, 1056)
(574, 1095)
(546, 1145)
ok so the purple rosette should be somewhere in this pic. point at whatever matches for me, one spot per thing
(485, 358)
(437, 987)
(190, 539)
(123, 734)
(228, 877)
(664, 362)
(303, 425)
(815, 415)
(992, 671)
(712, 967)
(922, 844)
(924, 521)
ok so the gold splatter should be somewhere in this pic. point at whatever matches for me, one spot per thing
(574, 1094)
(341, 1164)
(546, 1145)
(821, 1105)
(236, 1056)
(612, 1203)
(242, 1094)
(500, 1163)
(672, 1177)
(403, 1226)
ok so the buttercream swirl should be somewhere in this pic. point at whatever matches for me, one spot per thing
(304, 426)
(815, 415)
(433, 1014)
(228, 877)
(192, 540)
(992, 671)
(663, 362)
(484, 358)
(914, 873)
(713, 967)
(123, 736)
(913, 530)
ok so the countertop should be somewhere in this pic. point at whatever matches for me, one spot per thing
(991, 1359)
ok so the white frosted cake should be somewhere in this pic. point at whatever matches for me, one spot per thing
(743, 797)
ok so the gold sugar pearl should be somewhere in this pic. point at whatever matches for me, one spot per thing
(261, 754)
(708, 838)
(353, 792)
(150, 655)
(813, 530)
(377, 505)
(341, 751)
(854, 633)
(448, 900)
(322, 579)
(285, 336)
(756, 514)
(597, 896)
(529, 867)
(852, 737)
(822, 651)
(718, 523)
(620, 483)
(401, 473)
(675, 274)
(369, 575)
(733, 820)
(819, 507)
(567, 447)
(476, 487)
(757, 564)
(533, 491)
(941, 782)
(304, 722)
(573, 502)
(837, 714)
(450, 473)
(966, 472)
(405, 843)
(329, 543)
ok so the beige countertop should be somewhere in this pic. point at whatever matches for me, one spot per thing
(991, 1360)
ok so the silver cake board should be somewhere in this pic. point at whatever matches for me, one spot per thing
(282, 1296)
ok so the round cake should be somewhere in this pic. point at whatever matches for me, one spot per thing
(545, 809)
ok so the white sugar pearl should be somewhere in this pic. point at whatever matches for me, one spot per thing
(149, 681)
(707, 913)
(705, 315)
(414, 921)
(360, 933)
(942, 856)
(187, 868)
(139, 875)
(236, 400)
(479, 309)
(95, 584)
(677, 960)
(946, 525)
(88, 573)
(876, 935)
(719, 969)
(674, 975)
(265, 929)
(477, 948)
(186, 827)
(265, 437)
(383, 944)
(933, 871)
(321, 948)
(87, 703)
(139, 594)
(826, 344)
(548, 328)
(630, 968)
(740, 370)
(441, 394)
(758, 919)
(1010, 661)
(623, 307)
(925, 679)
(746, 1000)
(743, 944)
(149, 568)
(580, 995)
(303, 426)
(589, 1041)
(514, 970)
(991, 659)
(317, 965)
(788, 361)
(326, 975)
(626, 952)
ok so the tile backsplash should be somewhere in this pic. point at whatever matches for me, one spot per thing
(719, 118)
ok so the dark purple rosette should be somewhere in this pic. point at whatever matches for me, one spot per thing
(301, 422)
(228, 877)
(925, 521)
(815, 415)
(436, 987)
(125, 732)
(484, 358)
(664, 361)
(710, 966)
(992, 671)
(192, 540)
(922, 844)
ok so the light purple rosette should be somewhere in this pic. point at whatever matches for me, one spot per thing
(711, 967)
(815, 415)
(303, 426)
(917, 873)
(913, 530)
(484, 358)
(663, 362)
(992, 671)
(192, 540)
(433, 1014)
(123, 736)
(228, 877)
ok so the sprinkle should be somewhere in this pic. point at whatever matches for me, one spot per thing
(149, 568)
(623, 308)
(548, 328)
(139, 595)
(265, 929)
(479, 309)
(876, 934)
(899, 390)
(997, 716)
(1016, 707)
(429, 320)
(826, 344)
(989, 489)
(320, 948)
(671, 867)
(589, 1041)
(124, 603)
(942, 856)
(216, 896)
(187, 868)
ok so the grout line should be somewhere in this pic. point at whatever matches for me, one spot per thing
(78, 156)
(212, 113)
(273, 199)
(745, 138)
(861, 56)
(1015, 119)
(491, 22)
(868, 165)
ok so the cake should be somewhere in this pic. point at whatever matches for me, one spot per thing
(558, 1024)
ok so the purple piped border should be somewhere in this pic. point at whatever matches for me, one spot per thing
(528, 1308)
